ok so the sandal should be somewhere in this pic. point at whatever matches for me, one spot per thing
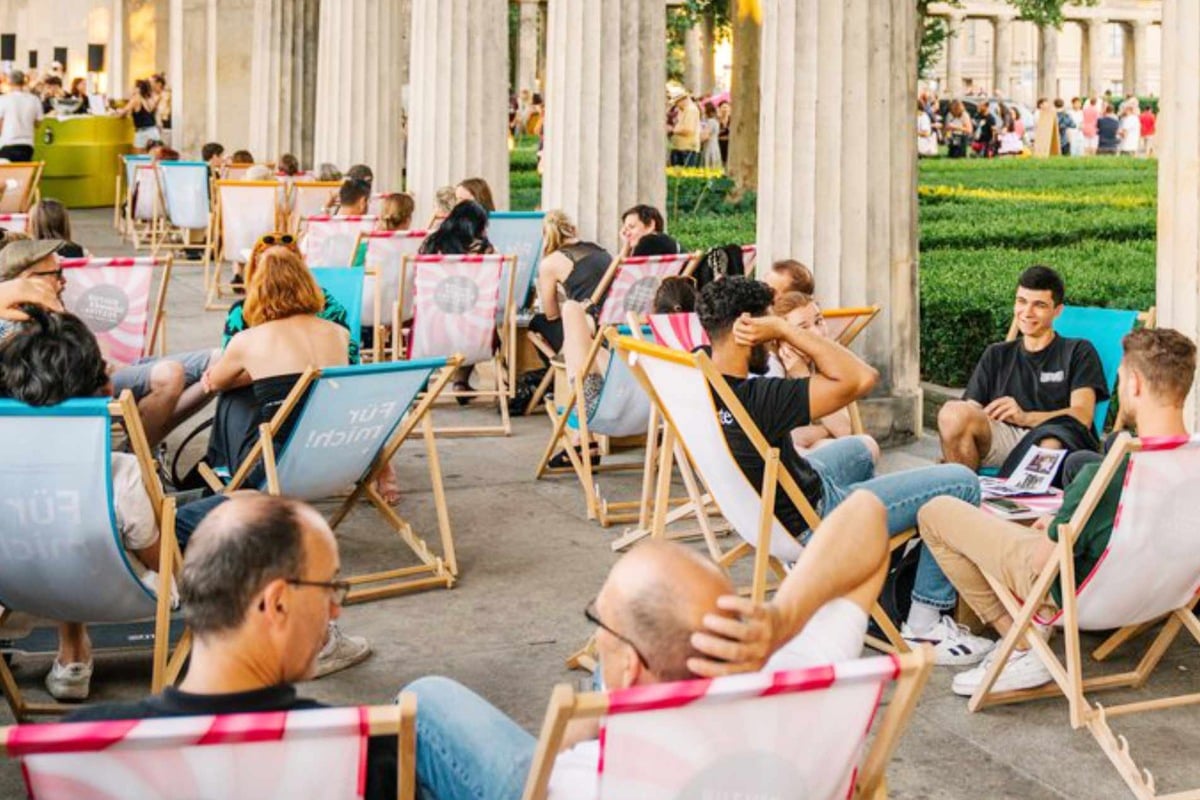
(563, 461)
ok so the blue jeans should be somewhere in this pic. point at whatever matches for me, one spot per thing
(846, 465)
(467, 749)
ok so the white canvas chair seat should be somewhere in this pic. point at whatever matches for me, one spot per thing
(117, 299)
(185, 193)
(15, 222)
(329, 241)
(348, 424)
(630, 284)
(375, 203)
(383, 260)
(313, 754)
(19, 186)
(519, 234)
(142, 206)
(246, 211)
(751, 736)
(61, 554)
(1149, 571)
(309, 199)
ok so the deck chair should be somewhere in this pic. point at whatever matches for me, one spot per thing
(381, 287)
(142, 207)
(117, 300)
(349, 423)
(124, 188)
(15, 222)
(329, 241)
(1149, 571)
(846, 323)
(184, 207)
(314, 754)
(308, 199)
(681, 386)
(752, 735)
(518, 233)
(19, 186)
(237, 172)
(245, 210)
(62, 553)
(346, 285)
(456, 309)
(375, 204)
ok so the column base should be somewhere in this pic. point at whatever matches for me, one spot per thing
(894, 419)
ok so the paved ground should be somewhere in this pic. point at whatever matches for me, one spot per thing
(530, 562)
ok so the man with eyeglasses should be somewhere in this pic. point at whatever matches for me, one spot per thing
(665, 613)
(260, 585)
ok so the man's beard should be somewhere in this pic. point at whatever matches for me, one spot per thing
(759, 363)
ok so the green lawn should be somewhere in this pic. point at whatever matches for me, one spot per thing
(982, 222)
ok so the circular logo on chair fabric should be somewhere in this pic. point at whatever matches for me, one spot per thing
(640, 296)
(456, 294)
(102, 308)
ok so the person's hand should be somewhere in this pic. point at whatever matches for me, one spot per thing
(1005, 409)
(741, 641)
(1042, 523)
(749, 331)
(790, 357)
(20, 291)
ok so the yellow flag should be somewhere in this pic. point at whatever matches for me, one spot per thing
(750, 8)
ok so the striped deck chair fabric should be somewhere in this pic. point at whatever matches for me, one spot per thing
(635, 282)
(117, 299)
(381, 287)
(456, 304)
(15, 222)
(678, 331)
(329, 241)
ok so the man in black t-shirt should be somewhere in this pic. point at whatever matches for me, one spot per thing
(259, 587)
(1020, 385)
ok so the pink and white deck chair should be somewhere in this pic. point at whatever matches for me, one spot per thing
(314, 754)
(329, 241)
(375, 204)
(798, 733)
(246, 210)
(678, 331)
(630, 283)
(457, 309)
(308, 199)
(385, 252)
(1149, 572)
(237, 172)
(20, 186)
(15, 222)
(143, 205)
(118, 301)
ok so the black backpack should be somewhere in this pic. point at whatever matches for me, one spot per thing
(720, 262)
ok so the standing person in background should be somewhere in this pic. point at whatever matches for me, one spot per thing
(1075, 133)
(927, 144)
(958, 129)
(162, 112)
(50, 90)
(1065, 124)
(475, 189)
(79, 94)
(684, 128)
(724, 116)
(143, 107)
(710, 157)
(1148, 122)
(1108, 136)
(20, 112)
(1130, 132)
(1091, 116)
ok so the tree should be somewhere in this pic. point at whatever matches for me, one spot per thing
(744, 98)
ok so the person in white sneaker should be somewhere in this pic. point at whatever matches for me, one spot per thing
(1154, 379)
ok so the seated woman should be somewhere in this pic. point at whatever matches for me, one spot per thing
(803, 312)
(395, 214)
(570, 265)
(49, 358)
(475, 190)
(675, 295)
(49, 220)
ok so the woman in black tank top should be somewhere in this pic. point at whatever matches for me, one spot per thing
(578, 267)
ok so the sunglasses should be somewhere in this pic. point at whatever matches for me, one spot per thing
(591, 615)
(270, 239)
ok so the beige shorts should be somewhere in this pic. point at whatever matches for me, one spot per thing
(1004, 439)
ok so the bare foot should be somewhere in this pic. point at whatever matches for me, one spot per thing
(388, 486)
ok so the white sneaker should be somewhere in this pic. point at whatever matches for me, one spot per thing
(70, 682)
(340, 652)
(1024, 670)
(953, 644)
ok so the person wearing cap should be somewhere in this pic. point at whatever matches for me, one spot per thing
(167, 389)
(684, 129)
(20, 112)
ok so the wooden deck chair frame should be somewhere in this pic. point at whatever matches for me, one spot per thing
(140, 232)
(433, 571)
(504, 360)
(912, 673)
(166, 664)
(1068, 679)
(33, 191)
(121, 191)
(214, 288)
(398, 719)
(156, 328)
(163, 229)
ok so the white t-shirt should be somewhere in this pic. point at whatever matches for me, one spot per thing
(135, 515)
(1131, 128)
(834, 634)
(21, 112)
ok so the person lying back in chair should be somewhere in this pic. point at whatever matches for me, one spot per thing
(47, 359)
(736, 315)
(1155, 377)
(665, 613)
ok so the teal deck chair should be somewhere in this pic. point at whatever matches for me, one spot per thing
(61, 554)
(347, 424)
(345, 284)
(517, 233)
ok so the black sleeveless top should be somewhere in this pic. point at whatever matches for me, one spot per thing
(144, 119)
(239, 413)
(589, 263)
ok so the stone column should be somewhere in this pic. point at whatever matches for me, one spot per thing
(527, 55)
(458, 107)
(360, 62)
(1002, 50)
(693, 48)
(954, 54)
(284, 79)
(842, 203)
(1048, 62)
(1092, 77)
(1178, 284)
(192, 51)
(116, 54)
(1136, 56)
(605, 147)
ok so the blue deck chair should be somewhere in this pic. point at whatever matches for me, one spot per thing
(185, 206)
(517, 233)
(345, 284)
(61, 556)
(348, 424)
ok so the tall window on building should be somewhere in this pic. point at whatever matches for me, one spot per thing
(1116, 41)
(971, 36)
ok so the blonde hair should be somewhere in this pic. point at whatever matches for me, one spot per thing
(788, 302)
(280, 286)
(395, 212)
(445, 200)
(557, 230)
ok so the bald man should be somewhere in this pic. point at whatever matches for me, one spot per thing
(665, 613)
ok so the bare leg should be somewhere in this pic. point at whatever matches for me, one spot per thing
(577, 340)
(965, 433)
(74, 647)
(388, 485)
(157, 408)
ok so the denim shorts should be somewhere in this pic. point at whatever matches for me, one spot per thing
(136, 377)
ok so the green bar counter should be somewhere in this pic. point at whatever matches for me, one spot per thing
(81, 157)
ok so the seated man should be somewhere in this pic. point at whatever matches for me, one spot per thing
(661, 615)
(167, 389)
(1039, 389)
(789, 275)
(259, 587)
(1155, 377)
(736, 315)
(47, 359)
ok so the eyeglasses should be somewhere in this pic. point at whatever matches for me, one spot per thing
(591, 615)
(57, 274)
(270, 239)
(340, 589)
